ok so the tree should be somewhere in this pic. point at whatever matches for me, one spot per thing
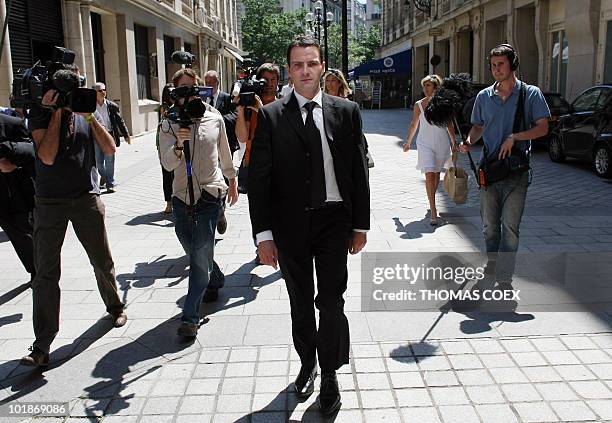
(361, 48)
(266, 30)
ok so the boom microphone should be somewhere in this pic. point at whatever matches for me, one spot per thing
(448, 100)
(183, 58)
(65, 80)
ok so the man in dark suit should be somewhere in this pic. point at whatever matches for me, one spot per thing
(309, 199)
(17, 188)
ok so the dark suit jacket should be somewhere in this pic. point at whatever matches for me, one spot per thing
(228, 109)
(16, 187)
(278, 194)
(117, 123)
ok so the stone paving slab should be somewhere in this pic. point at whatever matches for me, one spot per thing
(544, 366)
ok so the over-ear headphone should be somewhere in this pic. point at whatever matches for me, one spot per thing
(513, 57)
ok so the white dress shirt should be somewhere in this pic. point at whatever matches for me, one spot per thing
(103, 111)
(213, 100)
(331, 186)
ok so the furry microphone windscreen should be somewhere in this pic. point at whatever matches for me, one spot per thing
(449, 99)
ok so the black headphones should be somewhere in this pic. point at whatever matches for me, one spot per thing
(513, 57)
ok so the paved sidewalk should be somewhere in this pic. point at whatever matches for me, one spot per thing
(530, 367)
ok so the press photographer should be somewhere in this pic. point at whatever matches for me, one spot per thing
(65, 130)
(254, 93)
(193, 143)
(17, 188)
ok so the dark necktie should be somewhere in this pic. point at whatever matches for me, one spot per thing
(317, 174)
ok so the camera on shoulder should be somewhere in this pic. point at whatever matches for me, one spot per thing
(248, 86)
(30, 85)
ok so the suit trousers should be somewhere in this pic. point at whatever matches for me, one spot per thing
(18, 228)
(51, 218)
(327, 244)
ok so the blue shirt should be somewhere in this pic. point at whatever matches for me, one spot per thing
(497, 116)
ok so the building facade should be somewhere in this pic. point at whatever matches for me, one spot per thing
(564, 45)
(126, 44)
(373, 12)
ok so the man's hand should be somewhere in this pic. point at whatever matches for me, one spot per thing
(357, 242)
(232, 193)
(506, 147)
(182, 135)
(50, 98)
(464, 147)
(268, 254)
(128, 140)
(6, 166)
(406, 147)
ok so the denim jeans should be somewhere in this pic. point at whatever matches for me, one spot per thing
(105, 165)
(501, 209)
(197, 236)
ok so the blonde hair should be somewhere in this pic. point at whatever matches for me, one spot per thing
(344, 90)
(434, 79)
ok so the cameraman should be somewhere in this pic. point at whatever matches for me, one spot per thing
(67, 190)
(17, 188)
(271, 74)
(195, 223)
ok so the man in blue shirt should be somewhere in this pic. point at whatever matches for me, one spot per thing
(502, 203)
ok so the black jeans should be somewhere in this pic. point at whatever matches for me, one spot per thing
(19, 229)
(167, 179)
(51, 218)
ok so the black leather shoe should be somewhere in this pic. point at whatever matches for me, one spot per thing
(304, 382)
(36, 358)
(329, 398)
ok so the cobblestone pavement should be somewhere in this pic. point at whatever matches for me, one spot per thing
(417, 366)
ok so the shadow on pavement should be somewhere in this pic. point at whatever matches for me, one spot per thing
(408, 353)
(3, 237)
(13, 293)
(115, 365)
(13, 318)
(286, 401)
(224, 301)
(417, 228)
(154, 219)
(25, 380)
(145, 274)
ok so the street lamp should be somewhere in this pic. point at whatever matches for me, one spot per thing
(320, 18)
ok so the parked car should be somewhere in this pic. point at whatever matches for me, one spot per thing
(585, 133)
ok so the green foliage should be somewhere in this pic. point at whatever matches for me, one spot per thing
(266, 31)
(361, 48)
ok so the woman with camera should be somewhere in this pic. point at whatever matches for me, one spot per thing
(194, 135)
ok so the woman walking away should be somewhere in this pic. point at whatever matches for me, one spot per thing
(168, 177)
(335, 84)
(433, 146)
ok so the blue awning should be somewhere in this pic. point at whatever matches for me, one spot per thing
(394, 64)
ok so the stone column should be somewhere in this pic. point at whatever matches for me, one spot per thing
(88, 48)
(582, 32)
(541, 36)
(477, 63)
(6, 67)
(74, 32)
